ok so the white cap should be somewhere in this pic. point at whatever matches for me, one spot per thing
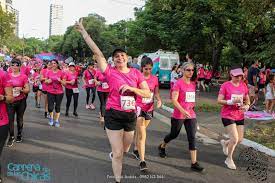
(71, 64)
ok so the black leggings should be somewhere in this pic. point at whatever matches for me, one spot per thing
(18, 108)
(103, 99)
(190, 127)
(3, 136)
(69, 95)
(54, 99)
(92, 90)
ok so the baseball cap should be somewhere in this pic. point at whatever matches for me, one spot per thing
(118, 50)
(71, 64)
(236, 72)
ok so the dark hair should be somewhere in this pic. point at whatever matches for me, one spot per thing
(174, 67)
(146, 61)
(91, 63)
(118, 50)
(190, 55)
(17, 61)
(271, 77)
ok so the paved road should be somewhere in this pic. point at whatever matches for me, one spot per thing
(77, 152)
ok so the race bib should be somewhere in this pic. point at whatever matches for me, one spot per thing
(91, 81)
(75, 90)
(237, 97)
(190, 97)
(127, 102)
(40, 87)
(105, 85)
(148, 100)
(15, 92)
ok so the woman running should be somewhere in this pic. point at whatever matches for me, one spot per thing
(20, 87)
(5, 97)
(89, 84)
(201, 78)
(145, 107)
(37, 87)
(55, 92)
(183, 98)
(71, 87)
(102, 92)
(43, 78)
(233, 95)
(125, 84)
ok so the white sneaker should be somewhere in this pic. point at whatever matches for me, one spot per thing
(224, 147)
(111, 155)
(87, 106)
(230, 164)
(92, 106)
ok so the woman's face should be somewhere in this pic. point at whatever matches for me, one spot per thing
(147, 69)
(237, 79)
(54, 65)
(15, 67)
(72, 68)
(90, 67)
(120, 59)
(188, 71)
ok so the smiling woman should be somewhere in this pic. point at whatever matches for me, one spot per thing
(125, 85)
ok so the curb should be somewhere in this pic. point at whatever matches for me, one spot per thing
(245, 141)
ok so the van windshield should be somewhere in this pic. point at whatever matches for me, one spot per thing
(164, 63)
(173, 61)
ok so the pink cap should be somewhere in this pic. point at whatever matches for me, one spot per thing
(237, 72)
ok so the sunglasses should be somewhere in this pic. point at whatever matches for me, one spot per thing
(148, 69)
(189, 70)
(15, 64)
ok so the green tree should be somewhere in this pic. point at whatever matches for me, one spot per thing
(7, 21)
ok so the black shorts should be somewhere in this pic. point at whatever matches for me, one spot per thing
(117, 120)
(35, 89)
(261, 86)
(147, 115)
(227, 122)
(207, 81)
(201, 79)
(44, 92)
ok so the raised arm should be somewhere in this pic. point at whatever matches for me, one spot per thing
(101, 61)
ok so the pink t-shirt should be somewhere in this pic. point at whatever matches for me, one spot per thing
(18, 81)
(262, 78)
(89, 75)
(25, 70)
(208, 74)
(147, 104)
(201, 73)
(4, 82)
(229, 91)
(36, 79)
(187, 95)
(43, 73)
(115, 80)
(69, 76)
(104, 86)
(55, 87)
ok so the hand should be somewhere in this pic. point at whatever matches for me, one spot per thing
(186, 114)
(124, 88)
(159, 104)
(2, 97)
(79, 26)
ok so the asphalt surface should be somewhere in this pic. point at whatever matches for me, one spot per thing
(78, 152)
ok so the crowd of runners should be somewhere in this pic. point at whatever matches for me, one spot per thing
(127, 97)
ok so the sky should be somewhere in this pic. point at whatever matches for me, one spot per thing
(34, 14)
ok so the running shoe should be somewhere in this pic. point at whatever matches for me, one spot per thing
(46, 115)
(196, 167)
(224, 147)
(143, 166)
(38, 106)
(111, 155)
(230, 164)
(135, 154)
(51, 123)
(92, 106)
(0, 180)
(67, 114)
(19, 138)
(162, 153)
(75, 114)
(57, 124)
(11, 141)
(87, 106)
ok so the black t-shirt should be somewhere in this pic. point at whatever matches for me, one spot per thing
(252, 71)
